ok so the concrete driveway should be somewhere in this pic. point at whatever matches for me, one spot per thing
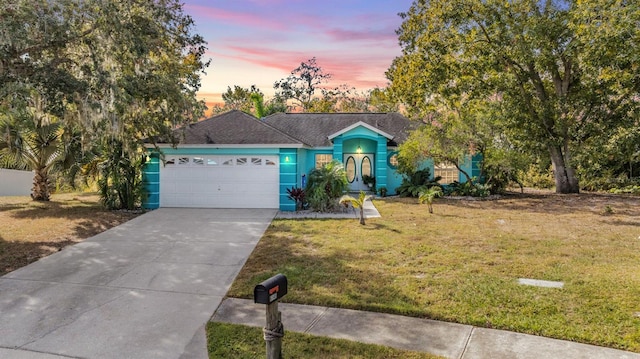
(144, 289)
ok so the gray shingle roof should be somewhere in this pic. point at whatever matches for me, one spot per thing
(311, 129)
(234, 127)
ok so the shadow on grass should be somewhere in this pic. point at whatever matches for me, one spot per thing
(592, 203)
(14, 255)
(319, 277)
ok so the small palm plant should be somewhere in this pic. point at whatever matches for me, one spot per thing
(357, 203)
(429, 195)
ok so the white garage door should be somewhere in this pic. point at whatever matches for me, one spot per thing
(220, 181)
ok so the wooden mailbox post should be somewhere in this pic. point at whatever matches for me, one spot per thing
(268, 292)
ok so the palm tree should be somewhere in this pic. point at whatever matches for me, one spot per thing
(34, 141)
(429, 195)
(325, 185)
(357, 203)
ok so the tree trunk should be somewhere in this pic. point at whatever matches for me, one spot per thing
(362, 214)
(563, 173)
(40, 190)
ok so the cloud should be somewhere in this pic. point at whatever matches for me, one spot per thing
(234, 18)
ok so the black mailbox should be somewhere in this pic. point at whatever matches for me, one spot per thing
(270, 290)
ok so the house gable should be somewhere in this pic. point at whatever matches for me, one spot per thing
(360, 129)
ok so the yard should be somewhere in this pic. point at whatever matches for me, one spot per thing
(30, 230)
(462, 264)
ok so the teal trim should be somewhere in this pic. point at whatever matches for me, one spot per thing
(476, 167)
(338, 148)
(151, 180)
(394, 179)
(221, 151)
(288, 177)
(471, 164)
(381, 163)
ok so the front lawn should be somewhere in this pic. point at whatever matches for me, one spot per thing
(31, 230)
(462, 264)
(242, 342)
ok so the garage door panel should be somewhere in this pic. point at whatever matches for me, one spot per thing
(203, 181)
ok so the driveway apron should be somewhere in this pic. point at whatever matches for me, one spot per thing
(144, 289)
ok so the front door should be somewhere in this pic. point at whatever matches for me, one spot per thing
(358, 165)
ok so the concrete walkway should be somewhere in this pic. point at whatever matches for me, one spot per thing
(144, 289)
(449, 340)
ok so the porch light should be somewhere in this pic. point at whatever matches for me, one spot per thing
(286, 158)
(359, 150)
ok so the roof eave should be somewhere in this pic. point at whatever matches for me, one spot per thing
(358, 124)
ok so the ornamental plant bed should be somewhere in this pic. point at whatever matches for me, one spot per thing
(462, 263)
(31, 230)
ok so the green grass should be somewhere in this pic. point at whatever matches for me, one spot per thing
(461, 264)
(242, 342)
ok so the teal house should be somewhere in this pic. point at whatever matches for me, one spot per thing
(234, 160)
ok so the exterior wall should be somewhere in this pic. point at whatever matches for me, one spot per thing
(394, 179)
(369, 142)
(151, 170)
(471, 165)
(288, 177)
(15, 183)
(151, 180)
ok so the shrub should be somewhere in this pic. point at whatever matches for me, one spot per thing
(325, 185)
(471, 189)
(416, 182)
(536, 178)
(297, 195)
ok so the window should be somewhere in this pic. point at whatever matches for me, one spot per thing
(447, 171)
(393, 160)
(350, 168)
(183, 160)
(256, 161)
(241, 161)
(198, 161)
(365, 167)
(269, 163)
(323, 159)
(228, 162)
(211, 162)
(170, 162)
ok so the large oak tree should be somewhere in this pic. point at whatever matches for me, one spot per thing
(116, 71)
(559, 72)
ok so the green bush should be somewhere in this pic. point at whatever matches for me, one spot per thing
(537, 178)
(325, 186)
(417, 182)
(471, 189)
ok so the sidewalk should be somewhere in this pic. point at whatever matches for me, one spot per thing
(450, 340)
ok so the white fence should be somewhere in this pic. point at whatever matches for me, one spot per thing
(15, 183)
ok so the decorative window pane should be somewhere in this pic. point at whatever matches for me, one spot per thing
(269, 163)
(256, 161)
(393, 160)
(211, 162)
(323, 159)
(228, 162)
(447, 171)
(183, 160)
(170, 162)
(198, 161)
(366, 166)
(241, 161)
(350, 168)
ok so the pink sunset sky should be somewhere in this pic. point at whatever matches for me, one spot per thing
(258, 42)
